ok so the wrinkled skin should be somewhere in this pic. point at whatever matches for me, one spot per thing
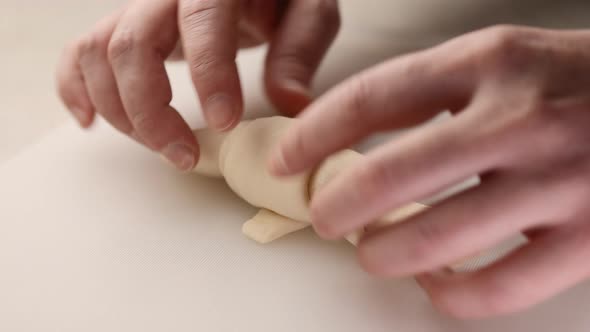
(117, 69)
(521, 99)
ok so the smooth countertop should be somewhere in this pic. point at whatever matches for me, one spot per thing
(98, 234)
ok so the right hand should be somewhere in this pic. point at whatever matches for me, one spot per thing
(117, 70)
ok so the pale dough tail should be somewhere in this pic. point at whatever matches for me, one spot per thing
(210, 142)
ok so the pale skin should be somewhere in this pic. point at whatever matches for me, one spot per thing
(116, 70)
(521, 99)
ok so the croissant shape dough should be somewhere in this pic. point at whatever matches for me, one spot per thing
(240, 157)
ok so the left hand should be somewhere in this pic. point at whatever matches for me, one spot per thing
(117, 69)
(522, 103)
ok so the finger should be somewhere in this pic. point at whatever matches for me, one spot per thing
(410, 168)
(176, 54)
(399, 93)
(259, 20)
(71, 87)
(98, 75)
(462, 226)
(209, 35)
(143, 39)
(305, 33)
(548, 265)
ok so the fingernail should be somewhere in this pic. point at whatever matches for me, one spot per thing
(220, 112)
(294, 86)
(83, 116)
(296, 99)
(277, 165)
(180, 155)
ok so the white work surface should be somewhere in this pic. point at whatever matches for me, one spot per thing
(98, 234)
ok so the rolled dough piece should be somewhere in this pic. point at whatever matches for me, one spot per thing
(243, 160)
(240, 156)
(209, 148)
(267, 226)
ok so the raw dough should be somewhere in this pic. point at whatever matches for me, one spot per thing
(242, 160)
(240, 157)
(267, 226)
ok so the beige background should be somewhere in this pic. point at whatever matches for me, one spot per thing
(33, 32)
(105, 237)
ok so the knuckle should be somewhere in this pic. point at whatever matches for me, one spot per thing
(121, 45)
(501, 38)
(372, 179)
(505, 46)
(145, 124)
(420, 252)
(427, 242)
(92, 45)
(429, 233)
(358, 96)
(195, 13)
(204, 64)
(204, 56)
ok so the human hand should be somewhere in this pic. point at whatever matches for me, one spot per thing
(522, 102)
(117, 70)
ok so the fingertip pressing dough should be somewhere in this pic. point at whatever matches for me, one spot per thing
(209, 149)
(240, 156)
(243, 159)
